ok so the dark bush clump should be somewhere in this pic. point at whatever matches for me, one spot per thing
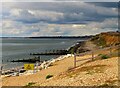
(49, 76)
(30, 83)
(104, 56)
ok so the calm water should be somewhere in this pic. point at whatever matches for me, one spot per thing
(19, 48)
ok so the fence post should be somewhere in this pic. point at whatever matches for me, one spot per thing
(92, 56)
(74, 60)
(110, 50)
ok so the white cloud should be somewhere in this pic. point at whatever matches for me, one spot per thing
(51, 19)
(107, 23)
(15, 12)
(40, 29)
(79, 25)
(35, 15)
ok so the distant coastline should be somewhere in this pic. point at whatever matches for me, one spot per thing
(87, 36)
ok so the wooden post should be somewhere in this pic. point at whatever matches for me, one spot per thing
(92, 56)
(74, 60)
(37, 63)
(1, 69)
(39, 58)
(110, 50)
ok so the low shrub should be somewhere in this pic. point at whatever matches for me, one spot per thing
(104, 85)
(30, 83)
(104, 56)
(99, 54)
(49, 76)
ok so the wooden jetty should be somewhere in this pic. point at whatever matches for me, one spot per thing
(53, 52)
(33, 60)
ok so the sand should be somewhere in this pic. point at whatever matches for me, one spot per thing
(61, 77)
(57, 68)
(97, 73)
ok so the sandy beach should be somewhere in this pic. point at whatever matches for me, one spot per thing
(97, 73)
(66, 43)
(57, 68)
(87, 73)
(82, 76)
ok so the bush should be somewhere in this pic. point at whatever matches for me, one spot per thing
(30, 83)
(49, 76)
(104, 85)
(99, 54)
(104, 57)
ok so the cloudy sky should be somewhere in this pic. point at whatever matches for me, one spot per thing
(57, 18)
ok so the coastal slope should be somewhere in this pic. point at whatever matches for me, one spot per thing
(97, 73)
(102, 71)
(88, 73)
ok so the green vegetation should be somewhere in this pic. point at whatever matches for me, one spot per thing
(49, 76)
(101, 42)
(104, 85)
(106, 39)
(104, 56)
(78, 48)
(98, 40)
(30, 83)
(73, 49)
(99, 54)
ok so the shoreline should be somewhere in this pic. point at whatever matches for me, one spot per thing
(101, 71)
(42, 65)
(61, 68)
(7, 67)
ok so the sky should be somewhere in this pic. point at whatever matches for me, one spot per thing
(25, 19)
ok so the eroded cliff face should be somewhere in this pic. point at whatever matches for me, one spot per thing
(106, 39)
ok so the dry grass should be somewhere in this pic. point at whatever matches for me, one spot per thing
(87, 69)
